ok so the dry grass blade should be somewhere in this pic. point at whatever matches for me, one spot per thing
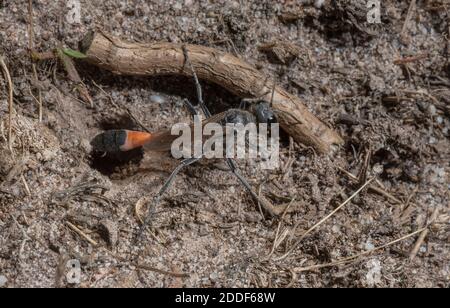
(81, 233)
(365, 253)
(33, 66)
(362, 176)
(372, 187)
(140, 215)
(422, 93)
(10, 100)
(279, 239)
(25, 184)
(409, 15)
(73, 75)
(323, 220)
(410, 59)
(423, 235)
(148, 267)
(160, 271)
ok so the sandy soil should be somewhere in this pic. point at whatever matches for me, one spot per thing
(207, 231)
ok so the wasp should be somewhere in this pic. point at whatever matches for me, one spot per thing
(119, 140)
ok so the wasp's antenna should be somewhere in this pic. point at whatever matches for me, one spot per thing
(273, 93)
(205, 110)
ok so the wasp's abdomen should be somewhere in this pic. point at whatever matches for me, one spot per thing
(109, 141)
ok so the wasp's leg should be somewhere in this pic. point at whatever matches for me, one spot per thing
(163, 189)
(243, 104)
(190, 107)
(197, 84)
(245, 101)
(265, 204)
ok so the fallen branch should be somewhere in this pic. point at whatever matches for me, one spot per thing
(226, 70)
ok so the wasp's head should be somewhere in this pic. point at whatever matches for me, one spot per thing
(264, 112)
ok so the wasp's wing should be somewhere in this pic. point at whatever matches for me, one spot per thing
(162, 141)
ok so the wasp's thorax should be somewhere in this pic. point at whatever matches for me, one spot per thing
(238, 116)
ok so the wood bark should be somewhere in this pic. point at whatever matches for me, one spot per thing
(224, 69)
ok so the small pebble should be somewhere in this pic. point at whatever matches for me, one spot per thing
(432, 110)
(369, 246)
(335, 229)
(319, 3)
(213, 276)
(73, 15)
(3, 281)
(177, 6)
(111, 233)
(252, 217)
(378, 169)
(86, 145)
(157, 99)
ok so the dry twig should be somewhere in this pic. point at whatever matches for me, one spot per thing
(10, 100)
(81, 233)
(33, 65)
(374, 188)
(423, 235)
(410, 59)
(412, 7)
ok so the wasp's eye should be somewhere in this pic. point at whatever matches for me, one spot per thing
(271, 119)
